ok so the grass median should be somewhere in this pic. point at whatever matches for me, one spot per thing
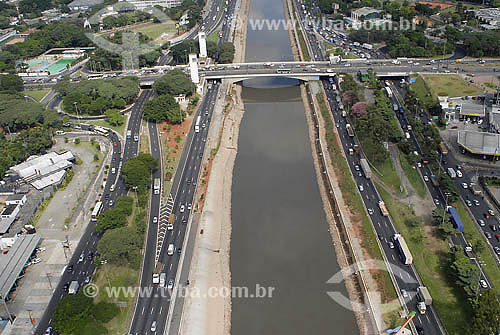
(413, 176)
(430, 257)
(353, 200)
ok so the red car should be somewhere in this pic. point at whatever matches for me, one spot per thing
(115, 144)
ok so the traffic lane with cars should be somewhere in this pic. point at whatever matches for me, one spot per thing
(156, 308)
(404, 275)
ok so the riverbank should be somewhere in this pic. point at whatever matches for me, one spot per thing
(210, 263)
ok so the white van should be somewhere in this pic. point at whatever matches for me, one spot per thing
(163, 279)
(170, 250)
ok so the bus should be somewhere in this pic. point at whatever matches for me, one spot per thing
(283, 71)
(96, 211)
(197, 124)
(95, 76)
(101, 130)
(156, 186)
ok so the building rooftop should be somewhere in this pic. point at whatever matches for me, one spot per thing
(15, 197)
(52, 179)
(9, 209)
(469, 108)
(479, 143)
(365, 11)
(43, 165)
(5, 224)
(13, 260)
(84, 3)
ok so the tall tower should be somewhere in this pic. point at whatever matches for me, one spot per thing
(193, 66)
(203, 44)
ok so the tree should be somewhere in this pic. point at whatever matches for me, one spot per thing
(466, 273)
(72, 313)
(104, 312)
(137, 171)
(114, 117)
(121, 246)
(486, 319)
(115, 217)
(226, 54)
(175, 82)
(164, 108)
(413, 222)
(11, 82)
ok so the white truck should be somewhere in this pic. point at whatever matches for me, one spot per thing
(366, 168)
(73, 287)
(163, 279)
(424, 299)
(452, 173)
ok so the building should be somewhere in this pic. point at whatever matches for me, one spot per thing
(82, 5)
(16, 199)
(5, 34)
(14, 257)
(365, 13)
(180, 98)
(140, 5)
(479, 143)
(470, 108)
(488, 16)
(494, 119)
(10, 211)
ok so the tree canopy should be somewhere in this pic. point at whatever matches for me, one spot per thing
(16, 113)
(121, 246)
(175, 82)
(226, 54)
(164, 108)
(115, 217)
(486, 319)
(137, 171)
(11, 82)
(94, 97)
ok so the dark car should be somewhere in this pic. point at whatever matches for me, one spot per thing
(70, 268)
(66, 287)
(90, 256)
(201, 154)
(179, 250)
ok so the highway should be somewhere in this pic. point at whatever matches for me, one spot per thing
(405, 276)
(88, 243)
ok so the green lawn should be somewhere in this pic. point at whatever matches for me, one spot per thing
(413, 176)
(37, 94)
(449, 85)
(473, 234)
(350, 56)
(388, 175)
(422, 92)
(430, 258)
(155, 30)
(104, 123)
(214, 37)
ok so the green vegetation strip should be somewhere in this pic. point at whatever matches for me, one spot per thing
(449, 85)
(302, 42)
(430, 257)
(472, 234)
(213, 37)
(353, 200)
(388, 175)
(413, 176)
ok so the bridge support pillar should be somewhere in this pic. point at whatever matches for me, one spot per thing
(193, 66)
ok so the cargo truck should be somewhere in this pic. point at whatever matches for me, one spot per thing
(156, 186)
(443, 149)
(452, 173)
(455, 219)
(404, 251)
(383, 209)
(424, 299)
(73, 287)
(350, 132)
(366, 168)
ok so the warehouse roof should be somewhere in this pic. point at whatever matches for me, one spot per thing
(5, 224)
(43, 165)
(479, 143)
(52, 179)
(13, 260)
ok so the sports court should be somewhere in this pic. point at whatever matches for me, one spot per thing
(49, 65)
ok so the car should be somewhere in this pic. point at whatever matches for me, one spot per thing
(90, 256)
(492, 213)
(359, 174)
(497, 250)
(115, 144)
(184, 221)
(194, 183)
(189, 206)
(136, 138)
(182, 209)
(391, 245)
(465, 186)
(481, 223)
(476, 202)
(170, 226)
(111, 203)
(66, 287)
(203, 139)
(153, 326)
(155, 219)
(48, 331)
(69, 268)
(404, 293)
(361, 188)
(436, 201)
(188, 182)
(201, 154)
(419, 165)
(170, 284)
(36, 261)
(156, 278)
(106, 196)
(113, 170)
(426, 178)
(179, 251)
(370, 211)
(87, 280)
(469, 203)
(487, 234)
(380, 237)
(492, 227)
(356, 167)
(483, 283)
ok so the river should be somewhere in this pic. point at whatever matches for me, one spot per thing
(280, 236)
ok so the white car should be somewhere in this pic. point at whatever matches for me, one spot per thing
(155, 219)
(370, 211)
(361, 188)
(156, 278)
(459, 174)
(170, 284)
(182, 209)
(404, 293)
(113, 170)
(170, 226)
(189, 206)
(426, 178)
(82, 257)
(465, 186)
(36, 261)
(483, 283)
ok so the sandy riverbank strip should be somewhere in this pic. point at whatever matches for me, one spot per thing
(211, 256)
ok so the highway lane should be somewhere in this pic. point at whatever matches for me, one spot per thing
(88, 243)
(156, 307)
(406, 277)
